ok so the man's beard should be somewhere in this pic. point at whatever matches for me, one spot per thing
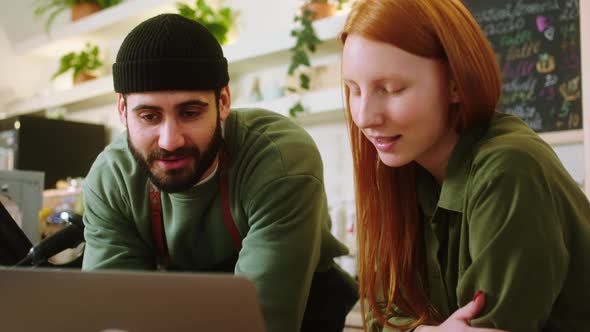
(178, 180)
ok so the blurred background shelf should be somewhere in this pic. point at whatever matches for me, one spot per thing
(84, 95)
(320, 106)
(110, 22)
(243, 55)
(251, 55)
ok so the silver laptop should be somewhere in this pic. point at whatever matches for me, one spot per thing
(64, 300)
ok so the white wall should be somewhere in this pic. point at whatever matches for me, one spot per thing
(26, 76)
(20, 77)
(333, 143)
(572, 157)
(18, 21)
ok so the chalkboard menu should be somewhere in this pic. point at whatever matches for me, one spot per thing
(537, 44)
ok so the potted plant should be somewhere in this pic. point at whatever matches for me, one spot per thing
(306, 41)
(320, 8)
(82, 64)
(217, 22)
(79, 8)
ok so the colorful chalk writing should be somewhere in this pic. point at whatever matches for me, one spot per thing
(537, 45)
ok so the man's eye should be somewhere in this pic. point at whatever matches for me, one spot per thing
(150, 117)
(191, 114)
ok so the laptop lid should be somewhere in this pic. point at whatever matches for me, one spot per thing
(73, 300)
(14, 244)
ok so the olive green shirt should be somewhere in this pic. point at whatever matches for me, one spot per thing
(508, 220)
(276, 197)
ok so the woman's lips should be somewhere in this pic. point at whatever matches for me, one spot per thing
(385, 143)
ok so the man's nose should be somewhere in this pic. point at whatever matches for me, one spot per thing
(171, 136)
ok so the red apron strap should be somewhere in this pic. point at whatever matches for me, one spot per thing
(158, 233)
(229, 220)
(224, 190)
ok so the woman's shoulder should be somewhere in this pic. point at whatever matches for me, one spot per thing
(509, 146)
(511, 160)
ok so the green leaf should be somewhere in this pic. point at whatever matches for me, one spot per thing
(52, 8)
(217, 22)
(304, 81)
(295, 109)
(85, 60)
(306, 42)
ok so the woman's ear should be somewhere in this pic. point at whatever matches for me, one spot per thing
(453, 92)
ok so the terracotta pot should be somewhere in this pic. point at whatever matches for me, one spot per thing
(320, 10)
(83, 9)
(83, 77)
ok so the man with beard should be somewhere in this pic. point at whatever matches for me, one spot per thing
(195, 187)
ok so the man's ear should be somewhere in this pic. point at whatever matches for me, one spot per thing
(122, 109)
(224, 103)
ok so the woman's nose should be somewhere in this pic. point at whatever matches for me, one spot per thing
(368, 113)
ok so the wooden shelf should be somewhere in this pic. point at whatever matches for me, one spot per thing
(315, 102)
(273, 47)
(115, 22)
(86, 91)
(111, 22)
(51, 193)
(242, 56)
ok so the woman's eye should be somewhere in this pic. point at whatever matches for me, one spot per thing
(390, 91)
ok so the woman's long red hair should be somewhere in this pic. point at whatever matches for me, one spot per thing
(390, 236)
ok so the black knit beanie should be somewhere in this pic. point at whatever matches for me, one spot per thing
(169, 52)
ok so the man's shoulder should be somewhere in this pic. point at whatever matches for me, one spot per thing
(114, 154)
(266, 123)
(113, 165)
(265, 147)
(258, 133)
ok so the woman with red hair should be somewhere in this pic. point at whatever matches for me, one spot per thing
(455, 202)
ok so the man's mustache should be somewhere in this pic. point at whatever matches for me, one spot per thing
(185, 151)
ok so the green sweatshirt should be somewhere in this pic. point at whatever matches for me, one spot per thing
(508, 220)
(277, 199)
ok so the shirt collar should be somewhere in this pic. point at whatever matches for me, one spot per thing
(210, 176)
(427, 191)
(453, 188)
(452, 192)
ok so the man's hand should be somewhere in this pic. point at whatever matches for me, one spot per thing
(459, 320)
